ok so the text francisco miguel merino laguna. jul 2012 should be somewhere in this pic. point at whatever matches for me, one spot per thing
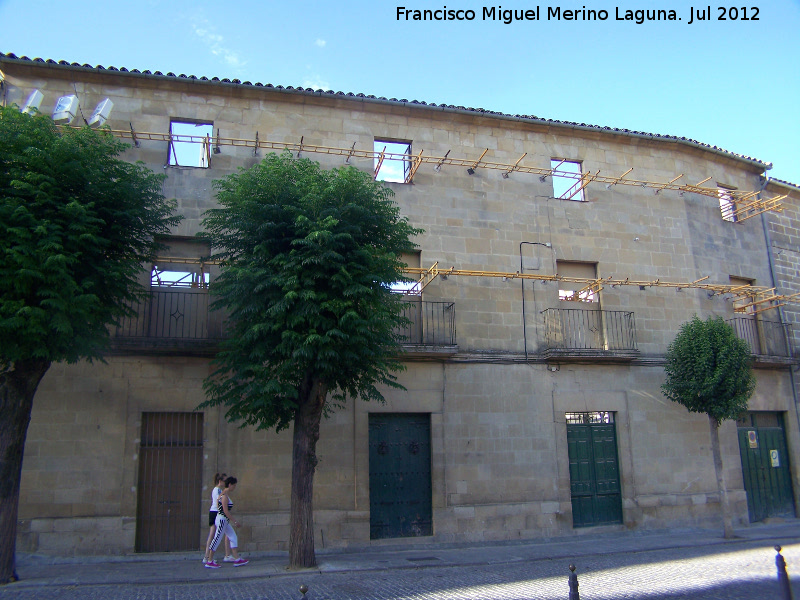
(556, 13)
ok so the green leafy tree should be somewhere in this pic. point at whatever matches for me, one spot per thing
(709, 371)
(307, 256)
(76, 223)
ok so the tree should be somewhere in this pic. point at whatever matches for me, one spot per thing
(307, 259)
(709, 371)
(76, 223)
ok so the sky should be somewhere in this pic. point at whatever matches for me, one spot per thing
(731, 83)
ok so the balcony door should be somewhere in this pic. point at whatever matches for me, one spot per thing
(580, 318)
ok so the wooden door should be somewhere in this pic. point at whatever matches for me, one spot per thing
(593, 469)
(765, 466)
(169, 490)
(400, 475)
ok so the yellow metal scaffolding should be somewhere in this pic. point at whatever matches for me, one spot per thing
(747, 204)
(747, 299)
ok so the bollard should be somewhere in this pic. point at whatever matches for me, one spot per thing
(783, 577)
(573, 584)
(303, 590)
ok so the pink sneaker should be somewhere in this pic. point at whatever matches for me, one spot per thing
(240, 562)
(211, 565)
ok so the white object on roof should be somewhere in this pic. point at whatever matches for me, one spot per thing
(65, 110)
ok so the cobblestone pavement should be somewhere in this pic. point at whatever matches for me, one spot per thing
(740, 569)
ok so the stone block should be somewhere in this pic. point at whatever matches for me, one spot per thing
(648, 501)
(550, 507)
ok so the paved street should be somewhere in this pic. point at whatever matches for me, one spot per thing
(694, 564)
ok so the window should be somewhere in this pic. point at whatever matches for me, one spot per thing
(411, 260)
(392, 167)
(169, 278)
(741, 281)
(180, 265)
(742, 298)
(727, 205)
(567, 177)
(190, 144)
(590, 418)
(574, 291)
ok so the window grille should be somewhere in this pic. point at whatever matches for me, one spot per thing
(590, 418)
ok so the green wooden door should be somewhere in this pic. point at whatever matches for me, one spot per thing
(593, 469)
(400, 475)
(765, 466)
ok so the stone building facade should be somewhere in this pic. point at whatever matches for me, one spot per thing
(526, 414)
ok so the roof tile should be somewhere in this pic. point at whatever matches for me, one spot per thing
(11, 56)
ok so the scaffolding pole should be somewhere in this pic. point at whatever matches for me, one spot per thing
(748, 299)
(747, 204)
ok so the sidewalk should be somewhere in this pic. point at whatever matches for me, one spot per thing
(35, 570)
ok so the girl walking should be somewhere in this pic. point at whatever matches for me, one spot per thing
(219, 484)
(225, 527)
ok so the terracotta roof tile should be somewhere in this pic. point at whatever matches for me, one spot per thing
(533, 118)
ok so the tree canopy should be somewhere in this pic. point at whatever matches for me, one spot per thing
(307, 256)
(709, 369)
(76, 223)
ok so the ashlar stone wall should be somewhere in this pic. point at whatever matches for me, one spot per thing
(497, 406)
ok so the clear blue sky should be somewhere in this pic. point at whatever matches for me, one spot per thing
(732, 84)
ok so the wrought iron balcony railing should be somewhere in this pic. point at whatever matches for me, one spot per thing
(432, 324)
(173, 320)
(589, 332)
(173, 314)
(180, 319)
(765, 338)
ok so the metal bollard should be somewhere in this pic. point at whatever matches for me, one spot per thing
(783, 577)
(303, 590)
(573, 584)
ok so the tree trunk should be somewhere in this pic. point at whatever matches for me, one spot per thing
(727, 518)
(18, 383)
(304, 462)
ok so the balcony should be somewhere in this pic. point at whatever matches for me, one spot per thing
(171, 321)
(178, 321)
(432, 331)
(770, 342)
(578, 334)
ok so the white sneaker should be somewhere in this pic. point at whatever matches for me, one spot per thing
(229, 559)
